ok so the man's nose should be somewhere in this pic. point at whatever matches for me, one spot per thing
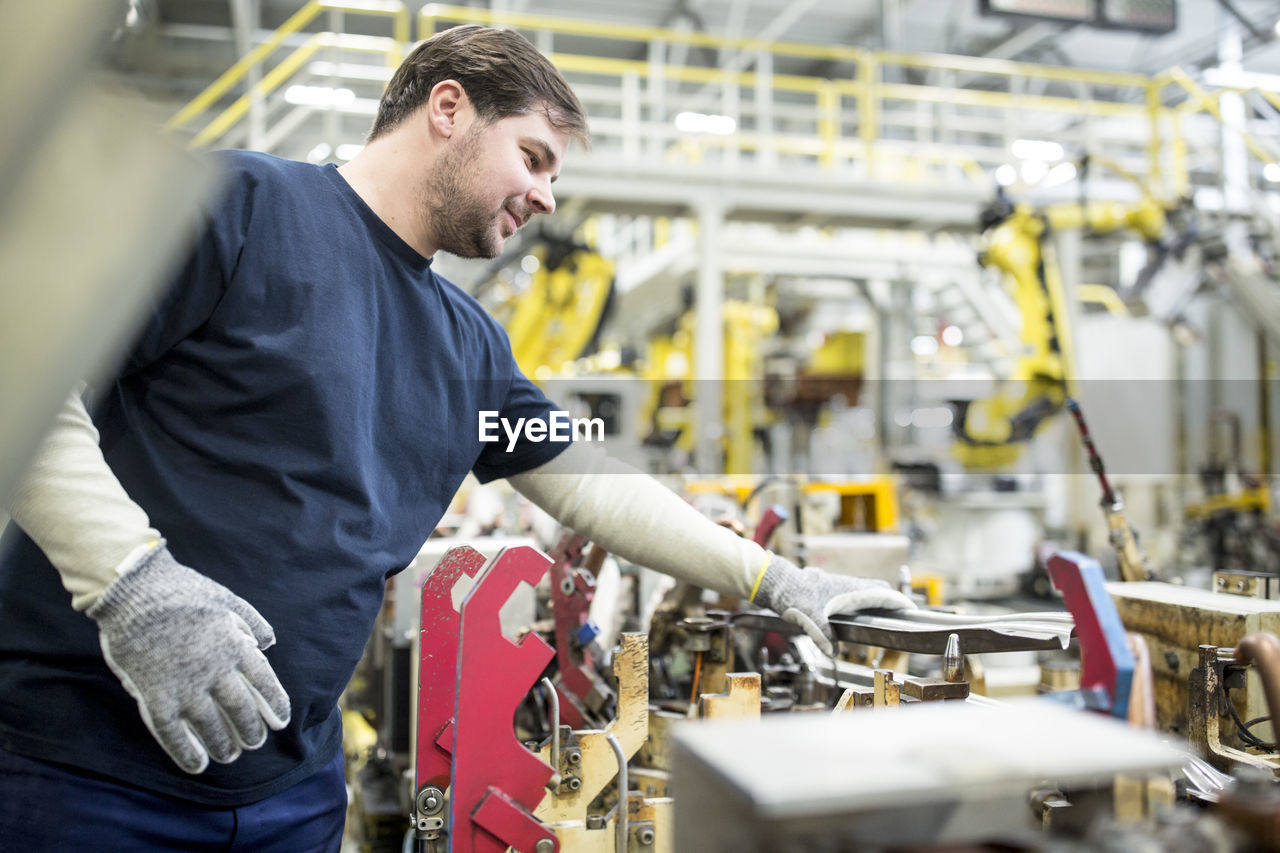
(541, 199)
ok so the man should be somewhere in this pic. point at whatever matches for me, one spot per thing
(291, 423)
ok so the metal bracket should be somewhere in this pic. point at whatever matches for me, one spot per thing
(596, 765)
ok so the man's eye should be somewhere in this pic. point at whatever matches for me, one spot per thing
(533, 159)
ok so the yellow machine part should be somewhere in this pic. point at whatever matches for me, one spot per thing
(558, 315)
(1247, 500)
(1040, 377)
(1145, 216)
(870, 505)
(670, 360)
(840, 352)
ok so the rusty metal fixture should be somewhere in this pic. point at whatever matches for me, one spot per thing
(933, 689)
(698, 632)
(570, 765)
(1204, 706)
(594, 560)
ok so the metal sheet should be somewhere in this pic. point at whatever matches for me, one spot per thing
(926, 632)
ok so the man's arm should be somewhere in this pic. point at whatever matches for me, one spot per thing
(637, 518)
(72, 506)
(185, 647)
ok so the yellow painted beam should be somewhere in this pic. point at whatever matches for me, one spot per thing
(232, 75)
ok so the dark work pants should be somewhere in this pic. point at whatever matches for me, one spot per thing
(49, 808)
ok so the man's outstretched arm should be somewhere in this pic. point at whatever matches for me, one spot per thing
(639, 519)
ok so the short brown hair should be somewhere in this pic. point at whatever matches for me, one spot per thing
(501, 71)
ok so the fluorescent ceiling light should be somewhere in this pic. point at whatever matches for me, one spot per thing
(1271, 172)
(1033, 171)
(351, 71)
(1006, 175)
(1036, 149)
(924, 345)
(931, 418)
(703, 123)
(1059, 174)
(319, 96)
(317, 154)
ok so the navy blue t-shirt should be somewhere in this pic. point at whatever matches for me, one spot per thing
(294, 418)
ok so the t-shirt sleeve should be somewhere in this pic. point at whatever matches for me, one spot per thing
(204, 273)
(499, 458)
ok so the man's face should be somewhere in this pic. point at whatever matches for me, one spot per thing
(490, 181)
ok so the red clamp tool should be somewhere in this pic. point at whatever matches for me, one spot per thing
(1106, 664)
(584, 697)
(471, 679)
(769, 522)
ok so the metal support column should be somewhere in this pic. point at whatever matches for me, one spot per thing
(1068, 247)
(708, 341)
(246, 17)
(1235, 160)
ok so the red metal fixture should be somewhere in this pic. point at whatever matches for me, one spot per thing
(571, 595)
(438, 665)
(497, 782)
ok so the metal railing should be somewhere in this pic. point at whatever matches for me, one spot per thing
(251, 64)
(874, 115)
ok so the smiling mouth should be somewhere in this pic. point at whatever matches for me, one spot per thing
(515, 223)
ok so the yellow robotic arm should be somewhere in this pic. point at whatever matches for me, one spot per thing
(990, 432)
(558, 316)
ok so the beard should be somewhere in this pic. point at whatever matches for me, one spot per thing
(462, 223)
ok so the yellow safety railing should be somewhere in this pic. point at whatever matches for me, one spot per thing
(285, 69)
(1199, 100)
(884, 115)
(851, 119)
(202, 103)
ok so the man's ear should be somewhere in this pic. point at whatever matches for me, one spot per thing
(448, 108)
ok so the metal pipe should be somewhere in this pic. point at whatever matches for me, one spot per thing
(623, 785)
(555, 724)
(1263, 651)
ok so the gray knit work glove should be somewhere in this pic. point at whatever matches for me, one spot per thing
(188, 650)
(808, 597)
